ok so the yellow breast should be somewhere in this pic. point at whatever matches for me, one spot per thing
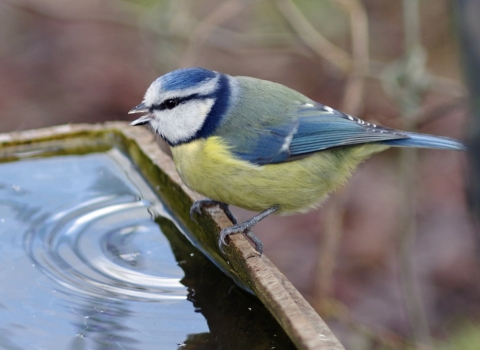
(209, 168)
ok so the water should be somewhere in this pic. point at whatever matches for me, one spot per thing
(90, 259)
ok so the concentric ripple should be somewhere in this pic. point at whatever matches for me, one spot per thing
(106, 247)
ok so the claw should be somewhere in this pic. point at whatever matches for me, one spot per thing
(256, 241)
(245, 227)
(197, 207)
(221, 241)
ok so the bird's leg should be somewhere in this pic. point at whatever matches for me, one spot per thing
(245, 227)
(255, 240)
(228, 213)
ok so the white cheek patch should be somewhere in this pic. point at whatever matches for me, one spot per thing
(182, 122)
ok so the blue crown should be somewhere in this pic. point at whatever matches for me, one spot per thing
(185, 78)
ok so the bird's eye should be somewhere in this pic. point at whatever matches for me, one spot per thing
(171, 103)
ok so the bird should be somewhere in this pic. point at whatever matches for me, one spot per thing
(260, 145)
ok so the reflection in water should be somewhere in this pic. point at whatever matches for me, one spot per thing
(84, 266)
(237, 319)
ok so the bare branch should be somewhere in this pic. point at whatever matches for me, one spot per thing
(225, 11)
(312, 38)
(354, 91)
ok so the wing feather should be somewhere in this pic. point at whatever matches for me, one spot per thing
(312, 128)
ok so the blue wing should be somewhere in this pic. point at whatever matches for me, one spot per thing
(315, 127)
(321, 128)
(270, 144)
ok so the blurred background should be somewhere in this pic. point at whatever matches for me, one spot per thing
(392, 260)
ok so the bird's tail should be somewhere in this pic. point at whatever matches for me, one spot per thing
(426, 141)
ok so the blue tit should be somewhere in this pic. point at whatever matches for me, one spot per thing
(259, 145)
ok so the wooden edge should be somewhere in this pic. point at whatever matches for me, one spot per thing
(299, 320)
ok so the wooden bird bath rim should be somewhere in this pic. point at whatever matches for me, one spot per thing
(299, 320)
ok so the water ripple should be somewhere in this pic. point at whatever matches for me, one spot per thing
(106, 248)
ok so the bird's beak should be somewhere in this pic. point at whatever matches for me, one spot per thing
(141, 108)
(145, 119)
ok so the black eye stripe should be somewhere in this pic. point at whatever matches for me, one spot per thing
(167, 104)
(171, 103)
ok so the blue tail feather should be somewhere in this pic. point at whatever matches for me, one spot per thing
(426, 141)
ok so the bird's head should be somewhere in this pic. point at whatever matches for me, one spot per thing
(186, 104)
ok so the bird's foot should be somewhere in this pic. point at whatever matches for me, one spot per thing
(197, 206)
(245, 227)
(230, 230)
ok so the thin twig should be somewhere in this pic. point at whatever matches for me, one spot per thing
(428, 114)
(408, 162)
(372, 339)
(121, 13)
(353, 98)
(352, 104)
(328, 250)
(312, 38)
(438, 84)
(224, 12)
